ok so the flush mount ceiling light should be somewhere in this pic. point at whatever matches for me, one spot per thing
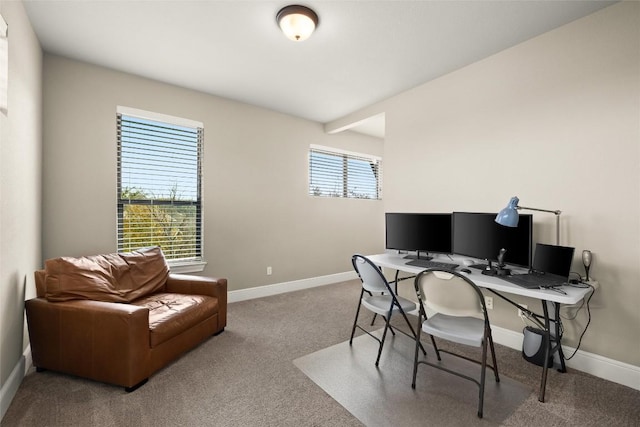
(297, 22)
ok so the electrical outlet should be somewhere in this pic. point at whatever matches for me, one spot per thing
(269, 271)
(488, 301)
(521, 313)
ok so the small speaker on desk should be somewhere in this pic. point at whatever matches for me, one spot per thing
(587, 257)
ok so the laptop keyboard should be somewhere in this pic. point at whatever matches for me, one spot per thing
(535, 280)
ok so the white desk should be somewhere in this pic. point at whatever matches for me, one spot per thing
(494, 283)
(550, 299)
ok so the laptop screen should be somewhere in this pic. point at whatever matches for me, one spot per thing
(553, 259)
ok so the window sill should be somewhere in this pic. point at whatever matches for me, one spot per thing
(181, 267)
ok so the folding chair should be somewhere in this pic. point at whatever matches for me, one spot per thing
(378, 296)
(461, 317)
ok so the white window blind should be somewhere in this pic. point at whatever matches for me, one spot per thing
(159, 185)
(337, 173)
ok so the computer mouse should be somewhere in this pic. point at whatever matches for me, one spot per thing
(465, 270)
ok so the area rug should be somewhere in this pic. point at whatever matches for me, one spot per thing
(383, 396)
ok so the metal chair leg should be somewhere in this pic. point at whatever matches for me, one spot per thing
(412, 330)
(483, 372)
(415, 357)
(384, 334)
(390, 327)
(373, 319)
(355, 321)
(493, 358)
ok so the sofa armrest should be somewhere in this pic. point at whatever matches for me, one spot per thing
(199, 285)
(103, 341)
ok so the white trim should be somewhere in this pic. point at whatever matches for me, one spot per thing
(344, 152)
(4, 28)
(158, 117)
(28, 360)
(367, 120)
(183, 267)
(507, 337)
(296, 285)
(590, 363)
(603, 367)
(10, 387)
(593, 364)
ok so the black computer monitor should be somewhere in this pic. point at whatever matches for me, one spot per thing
(477, 235)
(419, 232)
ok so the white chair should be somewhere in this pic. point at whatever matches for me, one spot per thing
(461, 317)
(377, 296)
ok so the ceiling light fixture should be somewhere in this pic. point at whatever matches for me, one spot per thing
(297, 22)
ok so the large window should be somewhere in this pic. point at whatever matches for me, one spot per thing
(336, 173)
(159, 184)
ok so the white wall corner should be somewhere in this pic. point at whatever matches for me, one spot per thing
(4, 65)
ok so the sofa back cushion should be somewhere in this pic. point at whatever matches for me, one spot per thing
(118, 277)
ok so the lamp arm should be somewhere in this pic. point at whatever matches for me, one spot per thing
(556, 213)
(539, 210)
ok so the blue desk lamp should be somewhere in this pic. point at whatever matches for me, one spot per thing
(509, 216)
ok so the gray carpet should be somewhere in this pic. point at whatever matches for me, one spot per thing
(383, 396)
(246, 377)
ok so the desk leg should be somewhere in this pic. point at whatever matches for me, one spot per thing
(554, 342)
(547, 351)
(396, 281)
(558, 337)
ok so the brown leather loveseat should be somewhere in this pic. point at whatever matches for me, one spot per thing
(118, 318)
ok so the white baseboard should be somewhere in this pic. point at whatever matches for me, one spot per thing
(28, 361)
(596, 365)
(10, 387)
(296, 285)
(590, 363)
(602, 367)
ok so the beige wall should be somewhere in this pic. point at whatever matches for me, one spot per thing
(20, 165)
(559, 116)
(555, 121)
(256, 209)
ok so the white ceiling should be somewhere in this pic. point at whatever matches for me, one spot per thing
(362, 51)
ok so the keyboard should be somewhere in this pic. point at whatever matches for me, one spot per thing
(432, 264)
(535, 280)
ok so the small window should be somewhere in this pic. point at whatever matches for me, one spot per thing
(336, 173)
(159, 184)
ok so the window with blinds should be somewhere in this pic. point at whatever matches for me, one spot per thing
(159, 184)
(337, 173)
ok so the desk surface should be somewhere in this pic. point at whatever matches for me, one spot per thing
(573, 294)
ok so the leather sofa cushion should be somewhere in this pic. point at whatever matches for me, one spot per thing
(170, 314)
(118, 277)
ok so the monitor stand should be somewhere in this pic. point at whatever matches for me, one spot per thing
(425, 256)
